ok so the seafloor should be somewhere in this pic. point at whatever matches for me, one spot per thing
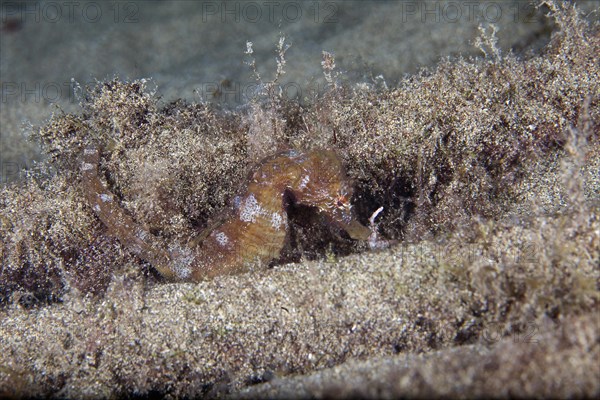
(488, 172)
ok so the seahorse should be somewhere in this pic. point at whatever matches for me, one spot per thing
(256, 230)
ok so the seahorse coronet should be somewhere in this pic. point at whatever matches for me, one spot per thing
(257, 228)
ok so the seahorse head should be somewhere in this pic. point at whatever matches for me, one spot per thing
(322, 182)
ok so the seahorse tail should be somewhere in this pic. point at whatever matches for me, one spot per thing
(118, 223)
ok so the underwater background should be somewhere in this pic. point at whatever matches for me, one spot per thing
(195, 50)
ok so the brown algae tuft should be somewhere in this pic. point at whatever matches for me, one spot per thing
(465, 141)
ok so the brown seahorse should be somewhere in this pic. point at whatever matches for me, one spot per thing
(256, 230)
